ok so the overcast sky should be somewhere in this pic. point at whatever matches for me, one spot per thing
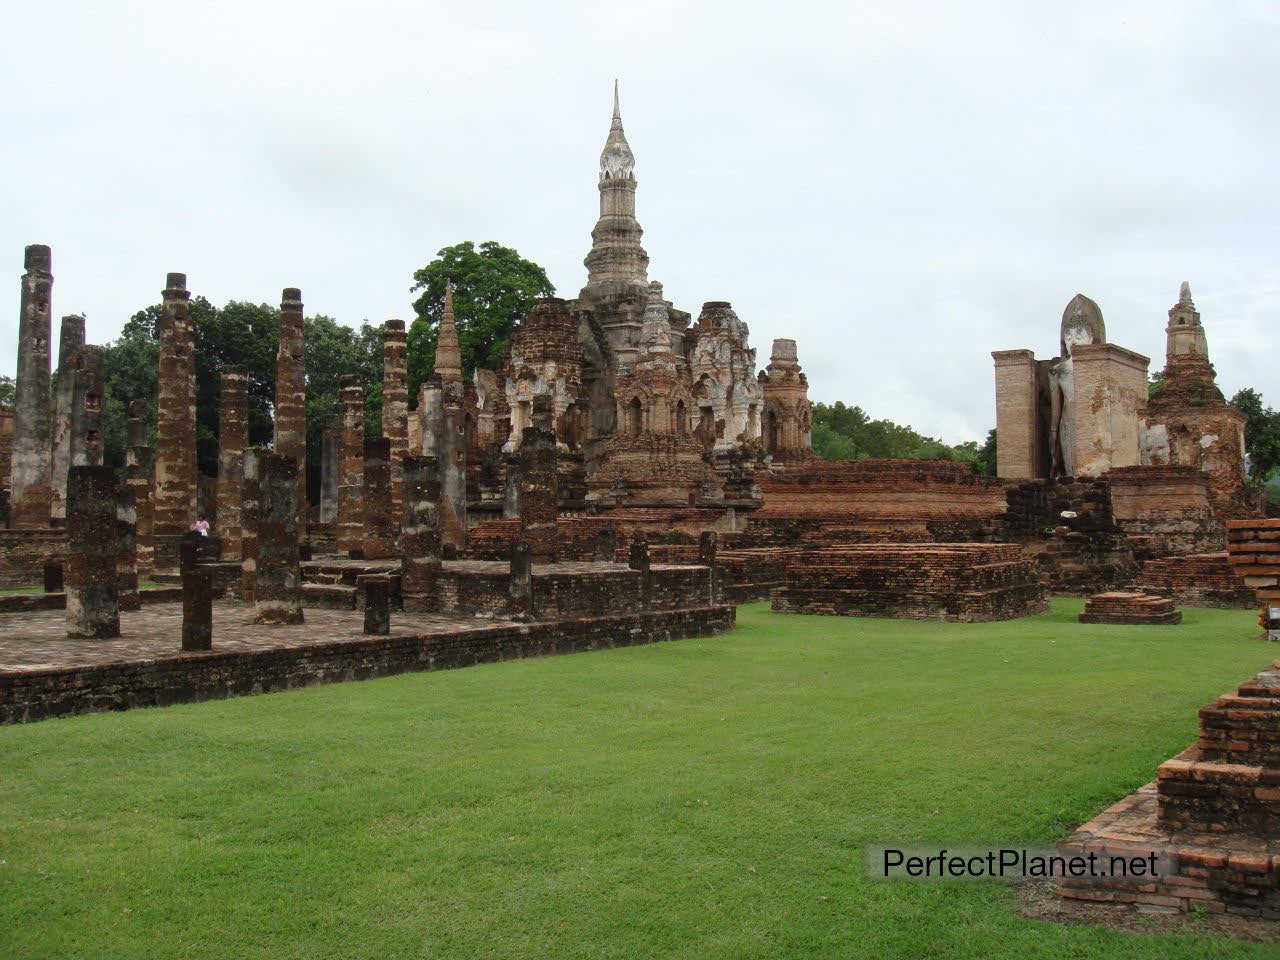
(902, 188)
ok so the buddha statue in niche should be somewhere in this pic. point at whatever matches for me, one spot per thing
(1081, 324)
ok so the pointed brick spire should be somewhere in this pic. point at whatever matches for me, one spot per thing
(448, 352)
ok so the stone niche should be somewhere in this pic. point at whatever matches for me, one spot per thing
(1075, 415)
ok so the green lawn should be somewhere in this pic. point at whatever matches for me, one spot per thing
(705, 798)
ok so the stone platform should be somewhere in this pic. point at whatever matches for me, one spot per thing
(1123, 607)
(959, 582)
(1201, 580)
(44, 674)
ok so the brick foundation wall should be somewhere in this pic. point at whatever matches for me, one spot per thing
(23, 554)
(39, 694)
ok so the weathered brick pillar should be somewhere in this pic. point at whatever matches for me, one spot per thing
(127, 545)
(453, 468)
(250, 504)
(377, 606)
(415, 429)
(520, 584)
(395, 406)
(291, 397)
(93, 610)
(197, 609)
(139, 462)
(379, 529)
(69, 344)
(351, 467)
(538, 497)
(233, 437)
(87, 407)
(431, 414)
(277, 590)
(30, 490)
(330, 467)
(174, 496)
(639, 560)
(420, 537)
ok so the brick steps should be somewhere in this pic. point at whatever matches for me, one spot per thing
(1253, 550)
(1124, 607)
(1205, 580)
(960, 582)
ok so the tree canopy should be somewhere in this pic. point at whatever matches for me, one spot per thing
(493, 288)
(1261, 434)
(842, 432)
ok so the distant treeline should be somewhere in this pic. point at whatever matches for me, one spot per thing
(848, 433)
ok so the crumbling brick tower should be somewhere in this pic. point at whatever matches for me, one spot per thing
(69, 344)
(395, 405)
(788, 418)
(1188, 423)
(654, 458)
(451, 443)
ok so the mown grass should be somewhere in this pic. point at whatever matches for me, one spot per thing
(706, 798)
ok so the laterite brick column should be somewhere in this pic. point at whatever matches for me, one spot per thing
(139, 462)
(174, 503)
(93, 610)
(69, 344)
(395, 406)
(538, 493)
(30, 491)
(379, 528)
(250, 504)
(351, 466)
(291, 398)
(277, 592)
(127, 546)
(233, 437)
(330, 442)
(87, 407)
(420, 537)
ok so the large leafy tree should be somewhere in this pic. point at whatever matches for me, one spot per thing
(1261, 433)
(8, 390)
(493, 287)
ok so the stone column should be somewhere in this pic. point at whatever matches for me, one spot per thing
(86, 407)
(420, 539)
(538, 493)
(520, 583)
(233, 437)
(291, 397)
(639, 560)
(69, 344)
(351, 467)
(379, 529)
(127, 543)
(395, 406)
(138, 464)
(197, 610)
(377, 606)
(30, 491)
(453, 468)
(250, 504)
(174, 497)
(431, 414)
(277, 591)
(93, 610)
(330, 444)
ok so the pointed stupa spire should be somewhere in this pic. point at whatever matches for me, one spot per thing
(1184, 294)
(1185, 334)
(617, 162)
(448, 352)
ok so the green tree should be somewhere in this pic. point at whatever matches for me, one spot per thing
(1261, 434)
(1155, 383)
(986, 461)
(843, 432)
(493, 288)
(8, 390)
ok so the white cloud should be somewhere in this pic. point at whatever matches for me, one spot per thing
(901, 188)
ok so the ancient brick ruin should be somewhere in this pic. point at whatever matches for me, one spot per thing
(1129, 607)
